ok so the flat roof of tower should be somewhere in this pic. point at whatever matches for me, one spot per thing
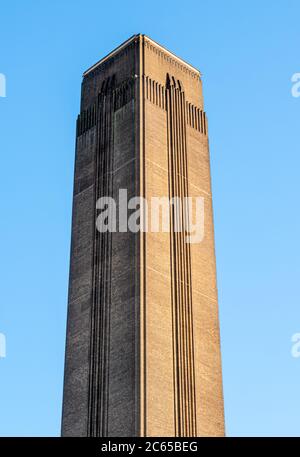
(127, 42)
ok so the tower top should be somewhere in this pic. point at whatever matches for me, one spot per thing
(137, 37)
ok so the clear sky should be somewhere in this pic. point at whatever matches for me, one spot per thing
(247, 52)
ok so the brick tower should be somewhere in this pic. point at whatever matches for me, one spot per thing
(143, 347)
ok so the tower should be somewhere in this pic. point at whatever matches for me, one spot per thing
(143, 348)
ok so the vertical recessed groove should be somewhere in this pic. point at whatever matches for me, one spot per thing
(159, 95)
(143, 309)
(189, 282)
(153, 91)
(174, 339)
(178, 264)
(175, 266)
(183, 266)
(201, 117)
(177, 403)
(98, 392)
(179, 112)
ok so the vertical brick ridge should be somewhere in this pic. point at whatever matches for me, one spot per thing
(110, 99)
(99, 342)
(143, 91)
(183, 342)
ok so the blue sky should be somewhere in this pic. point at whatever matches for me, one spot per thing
(247, 52)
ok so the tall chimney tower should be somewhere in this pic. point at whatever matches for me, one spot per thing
(143, 346)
